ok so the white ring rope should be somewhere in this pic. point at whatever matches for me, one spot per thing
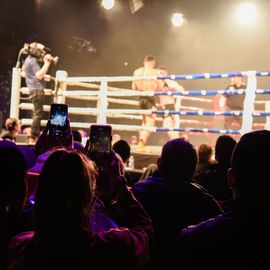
(104, 94)
(25, 91)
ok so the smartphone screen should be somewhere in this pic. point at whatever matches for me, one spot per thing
(100, 138)
(58, 120)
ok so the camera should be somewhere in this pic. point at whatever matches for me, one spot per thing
(38, 51)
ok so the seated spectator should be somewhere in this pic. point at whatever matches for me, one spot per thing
(115, 138)
(172, 200)
(122, 148)
(12, 129)
(64, 204)
(77, 140)
(148, 171)
(237, 239)
(13, 218)
(78, 146)
(205, 152)
(214, 178)
(77, 136)
(26, 130)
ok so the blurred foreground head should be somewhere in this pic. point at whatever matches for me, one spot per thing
(12, 181)
(65, 192)
(250, 168)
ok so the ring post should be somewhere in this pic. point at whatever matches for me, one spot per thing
(102, 103)
(267, 109)
(60, 86)
(178, 102)
(247, 118)
(15, 93)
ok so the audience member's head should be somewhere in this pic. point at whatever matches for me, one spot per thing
(12, 180)
(178, 160)
(223, 149)
(115, 138)
(65, 192)
(13, 128)
(83, 133)
(205, 152)
(185, 137)
(13, 124)
(133, 140)
(148, 171)
(122, 148)
(250, 168)
(26, 130)
(78, 146)
(77, 136)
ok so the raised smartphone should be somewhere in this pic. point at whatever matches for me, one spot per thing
(100, 139)
(58, 120)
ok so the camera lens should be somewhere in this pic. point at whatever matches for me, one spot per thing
(55, 60)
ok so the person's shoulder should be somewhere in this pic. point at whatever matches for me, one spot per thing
(142, 183)
(145, 184)
(203, 198)
(138, 71)
(30, 60)
(205, 228)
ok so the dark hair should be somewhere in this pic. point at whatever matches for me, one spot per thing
(122, 148)
(250, 163)
(178, 160)
(205, 152)
(149, 58)
(77, 136)
(163, 68)
(65, 192)
(149, 170)
(11, 124)
(12, 181)
(223, 149)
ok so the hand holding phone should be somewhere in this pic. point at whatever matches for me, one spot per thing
(57, 132)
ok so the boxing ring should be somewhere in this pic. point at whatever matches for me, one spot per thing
(97, 89)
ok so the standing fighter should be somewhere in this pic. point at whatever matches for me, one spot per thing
(233, 102)
(146, 102)
(34, 72)
(169, 102)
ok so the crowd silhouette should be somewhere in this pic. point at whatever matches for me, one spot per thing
(204, 208)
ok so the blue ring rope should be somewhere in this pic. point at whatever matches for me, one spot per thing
(209, 92)
(209, 113)
(212, 75)
(202, 130)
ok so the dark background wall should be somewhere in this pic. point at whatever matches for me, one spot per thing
(209, 41)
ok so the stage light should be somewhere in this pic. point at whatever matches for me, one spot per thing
(177, 19)
(246, 13)
(108, 4)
